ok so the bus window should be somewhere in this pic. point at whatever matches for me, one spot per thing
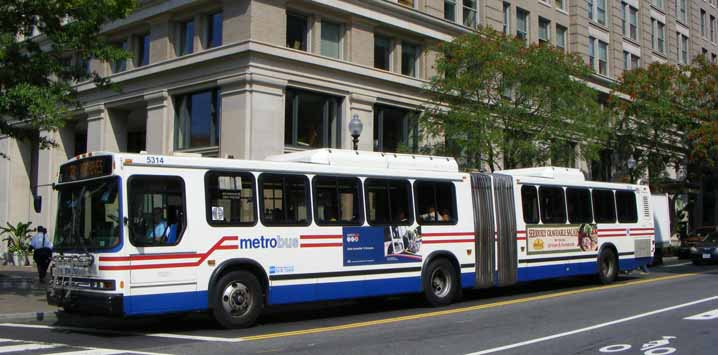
(230, 199)
(529, 200)
(578, 204)
(435, 202)
(388, 201)
(603, 206)
(553, 205)
(284, 200)
(157, 210)
(626, 207)
(336, 201)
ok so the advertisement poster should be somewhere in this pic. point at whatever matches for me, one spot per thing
(381, 245)
(561, 238)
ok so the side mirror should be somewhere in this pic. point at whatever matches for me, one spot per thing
(37, 203)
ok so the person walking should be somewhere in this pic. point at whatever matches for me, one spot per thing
(42, 251)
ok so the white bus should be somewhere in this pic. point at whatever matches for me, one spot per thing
(144, 234)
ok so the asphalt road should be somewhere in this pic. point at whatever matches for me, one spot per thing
(673, 309)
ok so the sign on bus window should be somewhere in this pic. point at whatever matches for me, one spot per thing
(230, 198)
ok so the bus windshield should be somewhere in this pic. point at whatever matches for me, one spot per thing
(88, 216)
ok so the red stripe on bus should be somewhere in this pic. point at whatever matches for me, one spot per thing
(612, 235)
(447, 241)
(612, 230)
(520, 238)
(333, 236)
(320, 245)
(640, 234)
(447, 234)
(641, 229)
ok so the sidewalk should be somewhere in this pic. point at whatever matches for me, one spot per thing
(21, 294)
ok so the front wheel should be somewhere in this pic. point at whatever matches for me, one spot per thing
(237, 300)
(440, 283)
(607, 266)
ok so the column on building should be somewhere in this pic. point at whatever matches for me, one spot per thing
(252, 117)
(160, 123)
(105, 131)
(15, 180)
(363, 107)
(48, 168)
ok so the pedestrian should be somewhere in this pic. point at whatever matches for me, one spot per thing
(42, 251)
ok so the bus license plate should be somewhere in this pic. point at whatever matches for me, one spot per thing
(706, 256)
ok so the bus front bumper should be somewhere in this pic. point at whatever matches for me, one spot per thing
(109, 304)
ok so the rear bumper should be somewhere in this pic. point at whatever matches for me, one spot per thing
(109, 304)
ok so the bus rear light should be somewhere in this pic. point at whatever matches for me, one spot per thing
(128, 162)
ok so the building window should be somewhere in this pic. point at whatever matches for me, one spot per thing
(142, 56)
(629, 21)
(561, 37)
(382, 52)
(197, 120)
(409, 3)
(470, 14)
(186, 45)
(409, 59)
(331, 39)
(395, 129)
(703, 22)
(713, 28)
(713, 58)
(658, 34)
(450, 10)
(544, 34)
(522, 24)
(120, 65)
(600, 67)
(597, 11)
(311, 120)
(297, 32)
(592, 53)
(507, 18)
(681, 10)
(214, 30)
(630, 61)
(657, 3)
(682, 48)
(559, 4)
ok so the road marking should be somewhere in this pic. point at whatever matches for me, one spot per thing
(458, 310)
(704, 316)
(597, 326)
(366, 323)
(675, 265)
(92, 352)
(25, 347)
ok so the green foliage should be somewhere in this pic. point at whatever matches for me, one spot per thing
(700, 96)
(17, 237)
(37, 73)
(499, 103)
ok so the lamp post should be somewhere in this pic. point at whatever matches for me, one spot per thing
(631, 163)
(355, 128)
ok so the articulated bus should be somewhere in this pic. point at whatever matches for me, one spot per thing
(142, 234)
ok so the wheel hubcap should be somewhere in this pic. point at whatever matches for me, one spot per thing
(440, 283)
(236, 299)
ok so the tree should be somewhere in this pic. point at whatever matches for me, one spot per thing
(700, 97)
(499, 103)
(650, 120)
(44, 45)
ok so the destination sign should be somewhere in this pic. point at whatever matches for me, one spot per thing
(86, 169)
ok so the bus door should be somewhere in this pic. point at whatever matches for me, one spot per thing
(163, 258)
(495, 230)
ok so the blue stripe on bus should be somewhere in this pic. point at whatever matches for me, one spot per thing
(192, 301)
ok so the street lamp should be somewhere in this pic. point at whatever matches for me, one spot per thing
(631, 163)
(355, 127)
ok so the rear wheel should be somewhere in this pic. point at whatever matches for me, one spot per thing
(607, 266)
(237, 300)
(440, 283)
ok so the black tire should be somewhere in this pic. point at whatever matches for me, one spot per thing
(440, 282)
(607, 266)
(237, 300)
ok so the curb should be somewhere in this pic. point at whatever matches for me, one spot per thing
(30, 316)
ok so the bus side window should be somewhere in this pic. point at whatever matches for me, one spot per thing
(230, 199)
(530, 203)
(388, 201)
(626, 206)
(435, 202)
(553, 205)
(337, 201)
(284, 200)
(157, 210)
(578, 203)
(603, 206)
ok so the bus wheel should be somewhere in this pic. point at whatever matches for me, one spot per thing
(607, 266)
(237, 300)
(440, 283)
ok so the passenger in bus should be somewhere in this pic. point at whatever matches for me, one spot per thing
(445, 217)
(160, 226)
(429, 215)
